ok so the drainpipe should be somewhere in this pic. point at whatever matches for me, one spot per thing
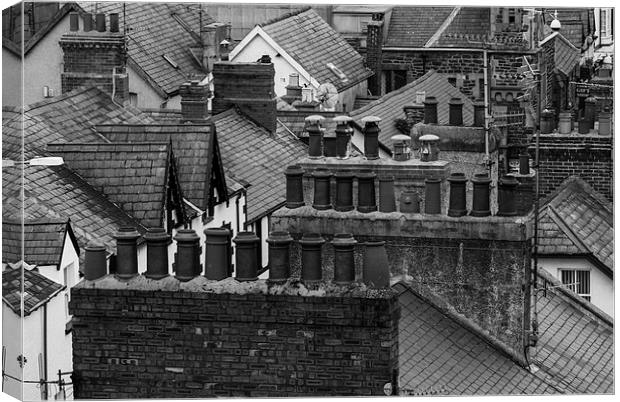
(44, 378)
(485, 67)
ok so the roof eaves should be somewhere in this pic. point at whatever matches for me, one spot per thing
(12, 47)
(56, 18)
(44, 301)
(285, 16)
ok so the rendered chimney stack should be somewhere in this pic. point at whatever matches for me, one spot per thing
(481, 206)
(217, 253)
(432, 195)
(187, 258)
(376, 267)
(409, 202)
(194, 101)
(293, 89)
(458, 184)
(402, 147)
(371, 136)
(322, 185)
(246, 256)
(311, 257)
(430, 110)
(344, 258)
(344, 191)
(506, 196)
(294, 186)
(95, 265)
(157, 241)
(456, 111)
(366, 197)
(315, 136)
(343, 136)
(127, 252)
(279, 256)
(387, 201)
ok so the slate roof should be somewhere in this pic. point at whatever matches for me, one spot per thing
(414, 26)
(576, 23)
(576, 342)
(576, 219)
(566, 56)
(38, 290)
(156, 29)
(308, 39)
(196, 150)
(438, 353)
(132, 175)
(251, 154)
(295, 120)
(390, 106)
(469, 27)
(42, 240)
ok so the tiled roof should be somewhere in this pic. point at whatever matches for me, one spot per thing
(575, 219)
(414, 26)
(58, 193)
(253, 155)
(42, 240)
(132, 175)
(439, 354)
(195, 148)
(156, 29)
(390, 106)
(566, 55)
(38, 290)
(308, 39)
(575, 346)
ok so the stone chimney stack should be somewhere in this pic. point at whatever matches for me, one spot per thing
(248, 86)
(194, 101)
(374, 52)
(95, 57)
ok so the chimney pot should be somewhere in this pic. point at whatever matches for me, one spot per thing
(376, 267)
(127, 252)
(279, 256)
(387, 201)
(74, 21)
(565, 125)
(432, 196)
(402, 147)
(322, 186)
(524, 164)
(430, 110)
(157, 241)
(88, 22)
(265, 59)
(480, 202)
(343, 136)
(315, 136)
(371, 136)
(344, 258)
(458, 184)
(187, 264)
(456, 111)
(583, 128)
(366, 197)
(311, 257)
(246, 256)
(217, 253)
(113, 22)
(94, 261)
(590, 110)
(547, 123)
(294, 186)
(409, 202)
(506, 196)
(100, 22)
(479, 114)
(344, 191)
(293, 79)
(429, 149)
(604, 123)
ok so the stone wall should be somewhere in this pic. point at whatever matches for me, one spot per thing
(201, 339)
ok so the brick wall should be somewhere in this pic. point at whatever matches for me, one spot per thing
(374, 44)
(478, 267)
(143, 340)
(586, 156)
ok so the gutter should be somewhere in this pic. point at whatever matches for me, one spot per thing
(453, 49)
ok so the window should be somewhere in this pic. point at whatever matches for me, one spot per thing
(576, 280)
(133, 99)
(606, 23)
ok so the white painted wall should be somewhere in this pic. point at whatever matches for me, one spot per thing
(11, 79)
(601, 286)
(12, 342)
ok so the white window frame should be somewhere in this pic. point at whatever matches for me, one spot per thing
(606, 27)
(572, 284)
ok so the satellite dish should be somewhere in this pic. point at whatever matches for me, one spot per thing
(327, 95)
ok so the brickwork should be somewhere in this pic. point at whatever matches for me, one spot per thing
(374, 55)
(585, 156)
(477, 266)
(130, 342)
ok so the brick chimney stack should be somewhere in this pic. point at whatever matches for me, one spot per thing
(194, 101)
(374, 52)
(95, 57)
(248, 86)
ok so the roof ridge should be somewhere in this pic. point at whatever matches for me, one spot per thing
(553, 214)
(285, 16)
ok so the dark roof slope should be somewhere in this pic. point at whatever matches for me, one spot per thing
(576, 342)
(158, 29)
(469, 28)
(576, 219)
(132, 175)
(195, 147)
(308, 39)
(414, 26)
(38, 290)
(390, 106)
(438, 353)
(253, 155)
(42, 240)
